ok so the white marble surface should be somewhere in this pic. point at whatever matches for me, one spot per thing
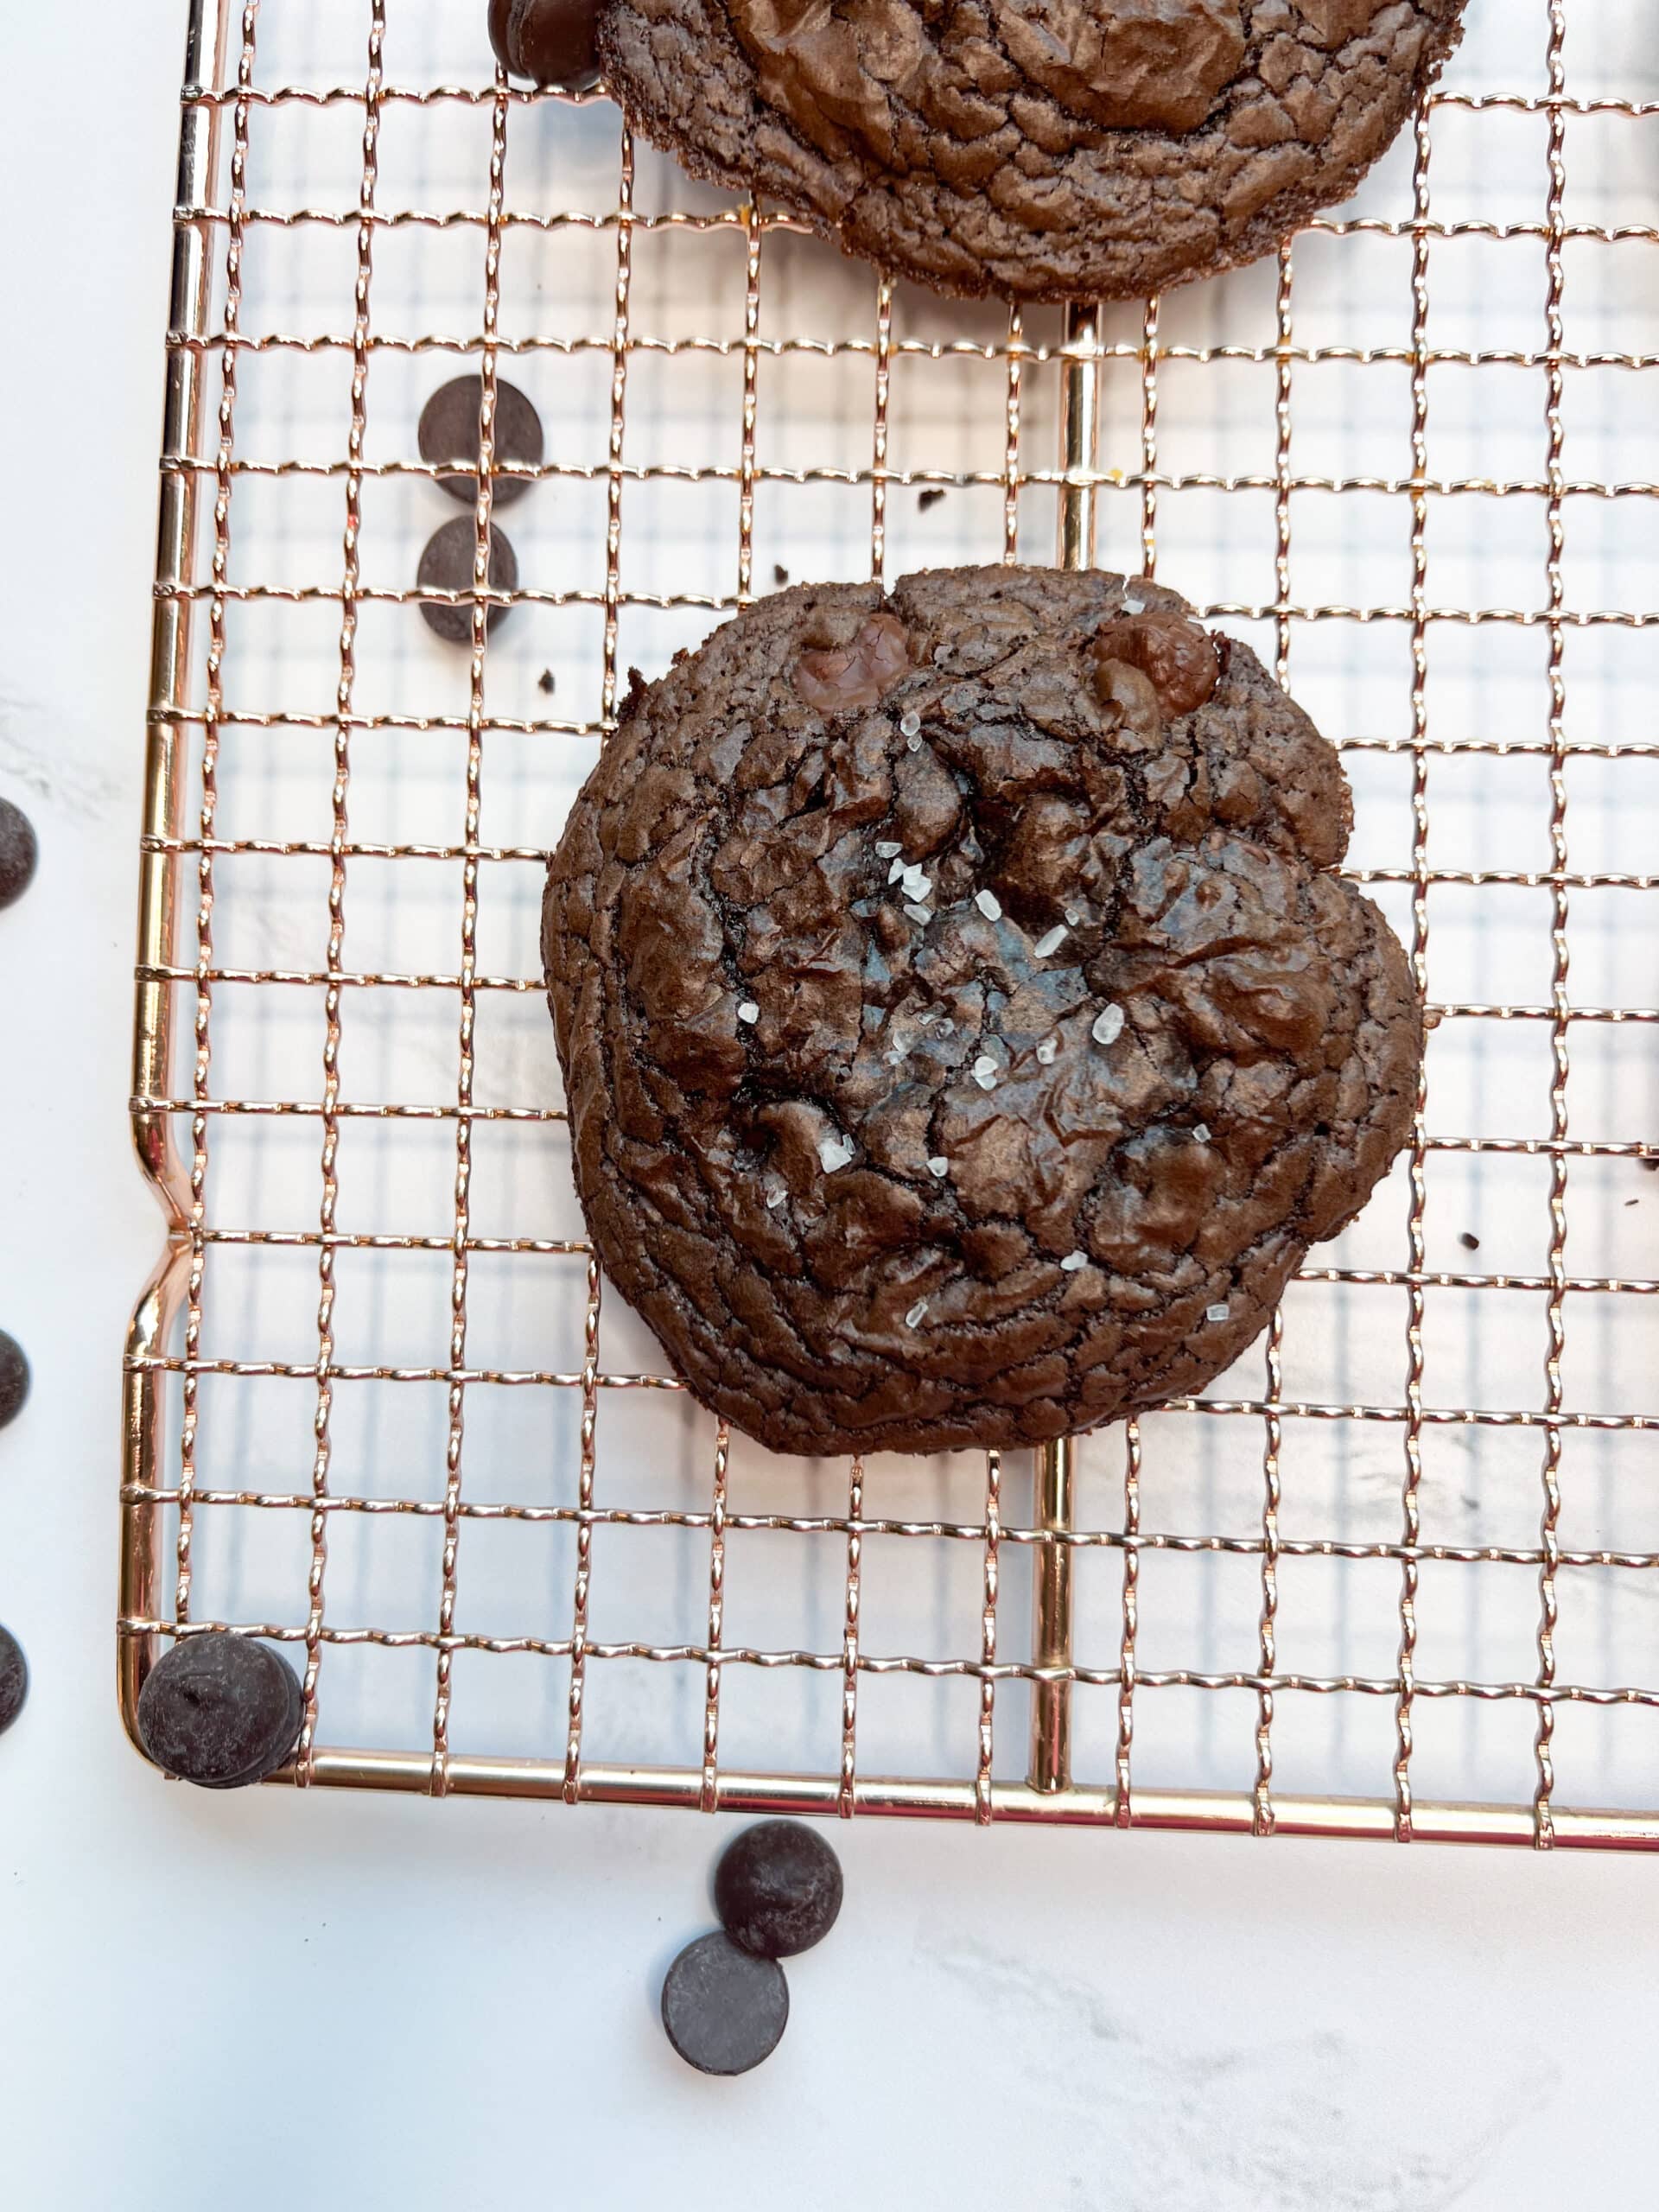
(267, 2000)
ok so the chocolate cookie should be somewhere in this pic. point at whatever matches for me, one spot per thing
(963, 1033)
(1052, 149)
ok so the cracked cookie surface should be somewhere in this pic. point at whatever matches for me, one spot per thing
(1048, 149)
(964, 1035)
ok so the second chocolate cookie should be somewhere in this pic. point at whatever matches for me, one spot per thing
(1051, 148)
(965, 1035)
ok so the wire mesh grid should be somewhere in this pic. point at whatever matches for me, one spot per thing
(1397, 1572)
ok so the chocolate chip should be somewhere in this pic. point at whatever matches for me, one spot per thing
(14, 1679)
(779, 573)
(448, 432)
(724, 2010)
(930, 498)
(838, 679)
(1470, 1243)
(14, 1378)
(18, 853)
(778, 1889)
(1118, 684)
(221, 1711)
(544, 682)
(550, 41)
(446, 565)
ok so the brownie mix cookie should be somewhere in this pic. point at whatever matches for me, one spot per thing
(963, 1033)
(1051, 148)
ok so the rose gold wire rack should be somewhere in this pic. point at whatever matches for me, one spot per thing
(1397, 1575)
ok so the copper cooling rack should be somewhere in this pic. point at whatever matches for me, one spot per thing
(1397, 1574)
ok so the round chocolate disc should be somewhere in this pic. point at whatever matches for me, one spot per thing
(778, 1889)
(724, 2010)
(18, 853)
(550, 41)
(14, 1379)
(221, 1711)
(448, 433)
(446, 565)
(14, 1679)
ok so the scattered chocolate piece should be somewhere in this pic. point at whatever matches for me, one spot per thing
(550, 41)
(14, 1679)
(14, 1379)
(1651, 1163)
(18, 853)
(1469, 1242)
(778, 1889)
(779, 573)
(929, 498)
(448, 432)
(446, 565)
(221, 1711)
(544, 682)
(724, 2010)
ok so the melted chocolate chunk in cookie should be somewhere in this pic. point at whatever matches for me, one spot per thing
(964, 1033)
